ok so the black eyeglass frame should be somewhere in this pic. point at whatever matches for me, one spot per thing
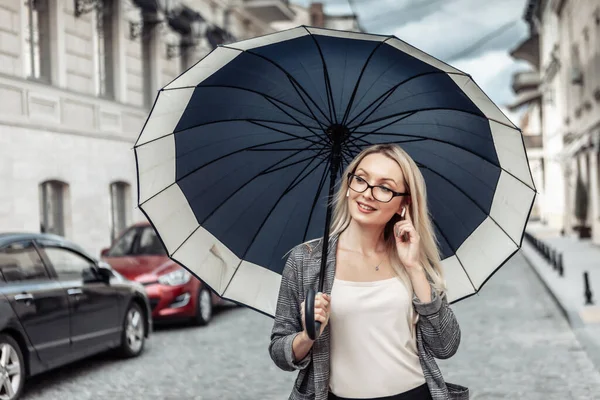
(394, 194)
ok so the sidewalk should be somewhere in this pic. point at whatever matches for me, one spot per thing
(579, 256)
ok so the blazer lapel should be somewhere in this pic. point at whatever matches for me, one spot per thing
(330, 265)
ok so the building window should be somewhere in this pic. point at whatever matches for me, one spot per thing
(119, 205)
(103, 49)
(36, 54)
(52, 207)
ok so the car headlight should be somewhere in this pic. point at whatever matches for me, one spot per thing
(179, 277)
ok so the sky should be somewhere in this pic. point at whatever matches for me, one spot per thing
(445, 28)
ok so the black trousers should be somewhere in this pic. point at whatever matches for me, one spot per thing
(418, 393)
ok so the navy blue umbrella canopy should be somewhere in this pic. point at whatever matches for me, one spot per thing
(235, 160)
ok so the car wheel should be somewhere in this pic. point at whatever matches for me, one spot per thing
(12, 368)
(133, 337)
(204, 307)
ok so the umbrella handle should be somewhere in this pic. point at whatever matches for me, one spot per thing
(312, 327)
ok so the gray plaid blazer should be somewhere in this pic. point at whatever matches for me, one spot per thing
(438, 333)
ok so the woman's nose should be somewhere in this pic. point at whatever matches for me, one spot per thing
(368, 194)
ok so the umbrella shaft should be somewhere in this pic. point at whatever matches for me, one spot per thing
(336, 161)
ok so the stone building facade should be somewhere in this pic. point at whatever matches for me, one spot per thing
(77, 78)
(563, 49)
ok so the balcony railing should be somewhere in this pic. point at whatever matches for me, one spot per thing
(528, 50)
(525, 80)
(533, 141)
(269, 10)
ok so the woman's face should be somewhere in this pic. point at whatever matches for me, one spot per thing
(378, 170)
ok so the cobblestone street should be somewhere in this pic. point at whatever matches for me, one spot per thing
(516, 345)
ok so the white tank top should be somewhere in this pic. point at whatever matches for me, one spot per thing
(373, 347)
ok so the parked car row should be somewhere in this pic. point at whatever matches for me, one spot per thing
(59, 304)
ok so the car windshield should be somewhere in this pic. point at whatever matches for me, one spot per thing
(138, 242)
(148, 243)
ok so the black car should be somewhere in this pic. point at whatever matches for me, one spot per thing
(58, 304)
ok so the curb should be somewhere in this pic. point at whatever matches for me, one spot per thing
(570, 315)
(588, 340)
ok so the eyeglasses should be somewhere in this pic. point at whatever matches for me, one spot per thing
(380, 193)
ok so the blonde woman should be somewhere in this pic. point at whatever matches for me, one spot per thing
(383, 313)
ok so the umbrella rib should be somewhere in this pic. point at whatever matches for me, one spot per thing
(456, 146)
(402, 117)
(470, 198)
(217, 122)
(353, 141)
(466, 273)
(316, 198)
(250, 180)
(275, 150)
(375, 80)
(326, 77)
(266, 96)
(423, 138)
(364, 68)
(391, 90)
(439, 141)
(345, 152)
(293, 163)
(291, 187)
(420, 124)
(434, 222)
(357, 150)
(409, 141)
(453, 250)
(210, 162)
(266, 219)
(290, 134)
(191, 150)
(290, 77)
(455, 186)
(223, 202)
(322, 127)
(435, 109)
(295, 119)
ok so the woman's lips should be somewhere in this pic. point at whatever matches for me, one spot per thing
(365, 208)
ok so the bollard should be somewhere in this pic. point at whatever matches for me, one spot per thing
(553, 259)
(543, 250)
(561, 270)
(588, 290)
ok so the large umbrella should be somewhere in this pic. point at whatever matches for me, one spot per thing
(239, 154)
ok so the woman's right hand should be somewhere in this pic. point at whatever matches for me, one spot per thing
(322, 303)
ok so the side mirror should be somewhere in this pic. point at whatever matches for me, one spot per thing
(104, 271)
(104, 252)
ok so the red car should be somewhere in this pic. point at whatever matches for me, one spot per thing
(174, 293)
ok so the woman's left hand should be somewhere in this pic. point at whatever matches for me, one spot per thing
(409, 250)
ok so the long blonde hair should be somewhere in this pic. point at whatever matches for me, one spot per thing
(430, 255)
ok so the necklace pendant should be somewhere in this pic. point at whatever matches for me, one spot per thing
(377, 268)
